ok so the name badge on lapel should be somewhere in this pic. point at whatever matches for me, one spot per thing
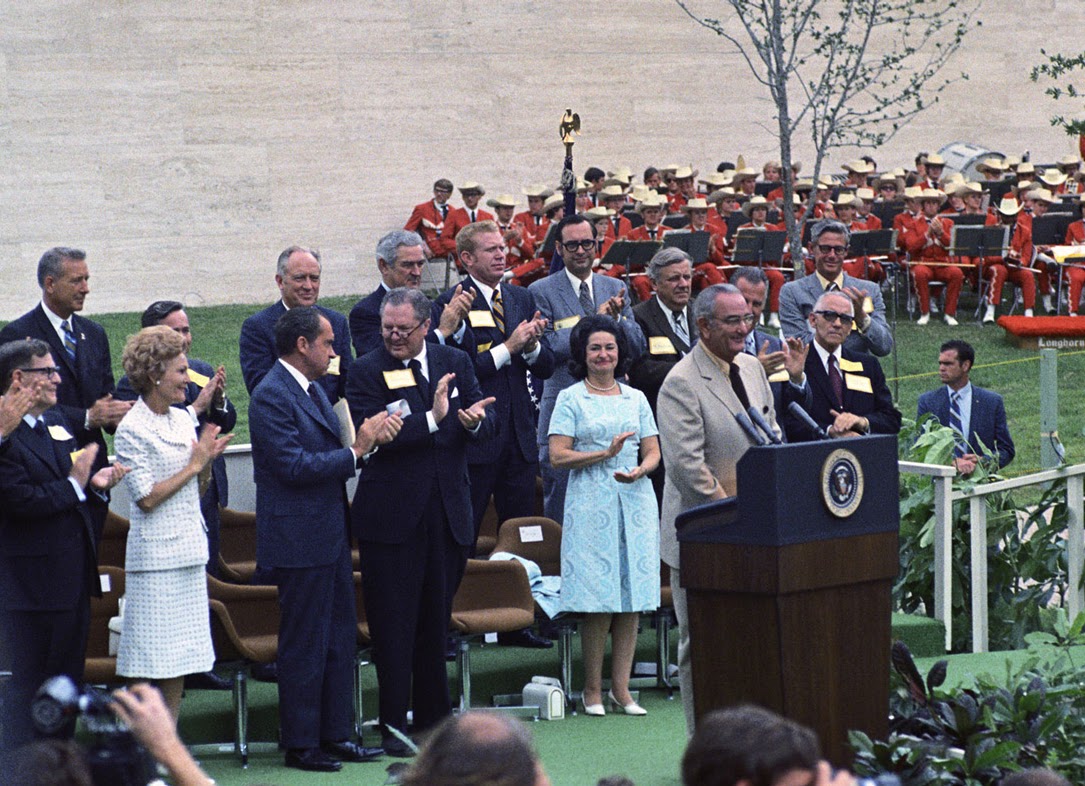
(856, 382)
(661, 345)
(59, 433)
(400, 378)
(75, 454)
(333, 366)
(485, 347)
(481, 318)
(851, 365)
(200, 379)
(568, 322)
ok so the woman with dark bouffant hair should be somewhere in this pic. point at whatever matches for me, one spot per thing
(603, 431)
(166, 633)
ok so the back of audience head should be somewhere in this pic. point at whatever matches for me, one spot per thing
(747, 745)
(477, 749)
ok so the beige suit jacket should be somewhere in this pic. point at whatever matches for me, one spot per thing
(699, 437)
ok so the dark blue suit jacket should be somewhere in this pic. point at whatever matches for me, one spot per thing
(47, 552)
(81, 383)
(365, 324)
(876, 406)
(299, 467)
(515, 414)
(226, 420)
(987, 424)
(258, 353)
(783, 393)
(398, 480)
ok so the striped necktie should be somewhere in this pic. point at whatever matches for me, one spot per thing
(69, 339)
(499, 310)
(955, 421)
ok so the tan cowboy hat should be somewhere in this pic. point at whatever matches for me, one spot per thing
(995, 165)
(913, 192)
(618, 180)
(1069, 160)
(582, 185)
(652, 200)
(935, 160)
(1021, 186)
(641, 192)
(1053, 178)
(471, 187)
(555, 201)
(952, 180)
(716, 180)
(719, 194)
(932, 193)
(670, 169)
(804, 184)
(694, 204)
(865, 194)
(502, 200)
(1008, 206)
(623, 172)
(845, 200)
(858, 166)
(964, 189)
(1012, 162)
(612, 192)
(1042, 195)
(755, 201)
(685, 172)
(598, 213)
(747, 173)
(1026, 168)
(537, 191)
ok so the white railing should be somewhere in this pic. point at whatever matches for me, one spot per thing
(945, 496)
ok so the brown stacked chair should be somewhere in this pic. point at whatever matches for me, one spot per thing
(546, 553)
(244, 630)
(101, 667)
(494, 597)
(237, 545)
(487, 532)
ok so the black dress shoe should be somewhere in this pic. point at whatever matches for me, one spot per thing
(312, 760)
(351, 751)
(265, 672)
(524, 638)
(207, 681)
(393, 746)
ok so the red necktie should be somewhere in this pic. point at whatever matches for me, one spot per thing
(836, 381)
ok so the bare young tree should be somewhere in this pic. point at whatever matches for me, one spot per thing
(845, 72)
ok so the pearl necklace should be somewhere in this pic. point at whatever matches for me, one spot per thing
(601, 390)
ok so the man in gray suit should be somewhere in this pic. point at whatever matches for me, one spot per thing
(829, 245)
(701, 440)
(563, 298)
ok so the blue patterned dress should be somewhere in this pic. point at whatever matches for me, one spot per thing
(610, 537)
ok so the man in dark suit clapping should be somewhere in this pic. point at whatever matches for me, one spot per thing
(302, 535)
(412, 509)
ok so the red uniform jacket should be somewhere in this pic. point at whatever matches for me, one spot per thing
(427, 221)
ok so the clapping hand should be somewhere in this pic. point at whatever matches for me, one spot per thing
(474, 414)
(13, 405)
(209, 446)
(108, 477)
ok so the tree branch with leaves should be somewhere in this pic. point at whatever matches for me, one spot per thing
(1061, 69)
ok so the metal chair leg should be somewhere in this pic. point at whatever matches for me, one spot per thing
(241, 716)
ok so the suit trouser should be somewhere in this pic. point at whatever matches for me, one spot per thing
(685, 656)
(511, 481)
(408, 600)
(41, 644)
(318, 634)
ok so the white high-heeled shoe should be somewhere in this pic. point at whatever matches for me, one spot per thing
(632, 708)
(595, 710)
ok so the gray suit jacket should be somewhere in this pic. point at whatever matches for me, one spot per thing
(797, 299)
(560, 305)
(699, 437)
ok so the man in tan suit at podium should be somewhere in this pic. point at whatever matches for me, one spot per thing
(700, 437)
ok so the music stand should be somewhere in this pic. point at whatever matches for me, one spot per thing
(764, 188)
(550, 239)
(734, 221)
(979, 241)
(1050, 228)
(968, 219)
(887, 211)
(635, 218)
(806, 230)
(872, 243)
(631, 253)
(759, 246)
(693, 243)
(997, 189)
(676, 220)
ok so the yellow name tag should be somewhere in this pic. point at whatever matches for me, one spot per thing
(661, 345)
(856, 382)
(850, 365)
(485, 347)
(403, 378)
(198, 378)
(780, 376)
(481, 318)
(568, 322)
(868, 305)
(333, 366)
(59, 433)
(75, 454)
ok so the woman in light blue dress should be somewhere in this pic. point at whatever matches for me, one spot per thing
(604, 432)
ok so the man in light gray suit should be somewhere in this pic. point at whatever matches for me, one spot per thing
(563, 298)
(829, 245)
(701, 440)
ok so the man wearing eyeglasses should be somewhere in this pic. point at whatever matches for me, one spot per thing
(48, 569)
(850, 397)
(829, 247)
(701, 439)
(563, 299)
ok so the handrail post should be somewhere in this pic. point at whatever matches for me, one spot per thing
(1075, 546)
(977, 516)
(943, 552)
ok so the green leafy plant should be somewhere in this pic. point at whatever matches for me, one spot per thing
(1026, 554)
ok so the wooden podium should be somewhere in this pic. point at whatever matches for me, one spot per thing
(789, 587)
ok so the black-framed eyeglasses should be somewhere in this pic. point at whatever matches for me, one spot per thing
(735, 320)
(832, 249)
(47, 371)
(392, 332)
(578, 245)
(834, 316)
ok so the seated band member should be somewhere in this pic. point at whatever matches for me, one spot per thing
(925, 240)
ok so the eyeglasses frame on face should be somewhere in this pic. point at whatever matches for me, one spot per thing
(735, 320)
(572, 246)
(47, 370)
(841, 250)
(396, 331)
(833, 316)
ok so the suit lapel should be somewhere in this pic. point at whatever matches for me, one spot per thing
(664, 325)
(307, 405)
(718, 382)
(42, 447)
(60, 354)
(815, 371)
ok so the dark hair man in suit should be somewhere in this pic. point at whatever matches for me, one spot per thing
(302, 536)
(978, 414)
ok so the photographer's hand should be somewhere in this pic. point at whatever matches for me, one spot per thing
(142, 708)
